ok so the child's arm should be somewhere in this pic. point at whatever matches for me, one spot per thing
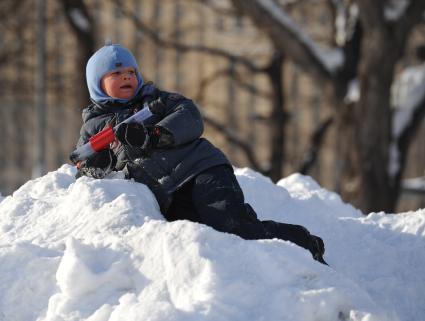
(99, 164)
(90, 129)
(182, 120)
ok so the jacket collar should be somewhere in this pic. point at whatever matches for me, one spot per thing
(146, 94)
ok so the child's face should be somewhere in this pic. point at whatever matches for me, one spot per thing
(121, 83)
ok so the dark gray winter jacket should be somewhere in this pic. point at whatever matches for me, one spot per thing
(165, 169)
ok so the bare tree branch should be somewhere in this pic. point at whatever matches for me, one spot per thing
(12, 25)
(347, 35)
(316, 141)
(286, 36)
(222, 11)
(8, 56)
(11, 6)
(184, 47)
(232, 137)
(81, 22)
(372, 13)
(236, 76)
(412, 16)
(207, 81)
(409, 133)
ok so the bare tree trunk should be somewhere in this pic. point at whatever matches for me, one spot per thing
(382, 46)
(316, 139)
(403, 144)
(278, 117)
(373, 123)
(40, 95)
(156, 16)
(178, 75)
(82, 24)
(231, 103)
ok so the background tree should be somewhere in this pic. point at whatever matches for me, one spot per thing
(82, 25)
(366, 125)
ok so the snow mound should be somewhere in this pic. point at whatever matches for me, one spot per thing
(99, 250)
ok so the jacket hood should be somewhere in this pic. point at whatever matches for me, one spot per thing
(108, 58)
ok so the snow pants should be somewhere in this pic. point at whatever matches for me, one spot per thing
(215, 198)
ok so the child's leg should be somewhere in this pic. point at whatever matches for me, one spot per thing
(182, 207)
(220, 203)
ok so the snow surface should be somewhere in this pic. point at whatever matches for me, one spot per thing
(100, 250)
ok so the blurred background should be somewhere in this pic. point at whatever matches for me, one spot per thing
(334, 89)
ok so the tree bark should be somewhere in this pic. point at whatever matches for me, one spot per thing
(372, 122)
(81, 22)
(278, 117)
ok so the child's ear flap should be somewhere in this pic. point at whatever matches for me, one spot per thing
(102, 84)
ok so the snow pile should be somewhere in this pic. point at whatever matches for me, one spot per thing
(99, 250)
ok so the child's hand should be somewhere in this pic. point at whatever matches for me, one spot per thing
(133, 134)
(97, 166)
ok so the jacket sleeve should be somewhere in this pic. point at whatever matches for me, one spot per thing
(90, 128)
(182, 120)
(84, 137)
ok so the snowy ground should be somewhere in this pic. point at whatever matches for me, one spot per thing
(99, 250)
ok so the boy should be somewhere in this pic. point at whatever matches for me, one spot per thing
(190, 178)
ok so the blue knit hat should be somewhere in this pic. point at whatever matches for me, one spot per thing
(106, 59)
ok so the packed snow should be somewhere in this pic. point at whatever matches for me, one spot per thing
(99, 250)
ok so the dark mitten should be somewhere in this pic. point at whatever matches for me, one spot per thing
(133, 134)
(98, 165)
(317, 248)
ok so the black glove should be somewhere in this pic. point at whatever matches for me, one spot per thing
(98, 165)
(133, 134)
(317, 248)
